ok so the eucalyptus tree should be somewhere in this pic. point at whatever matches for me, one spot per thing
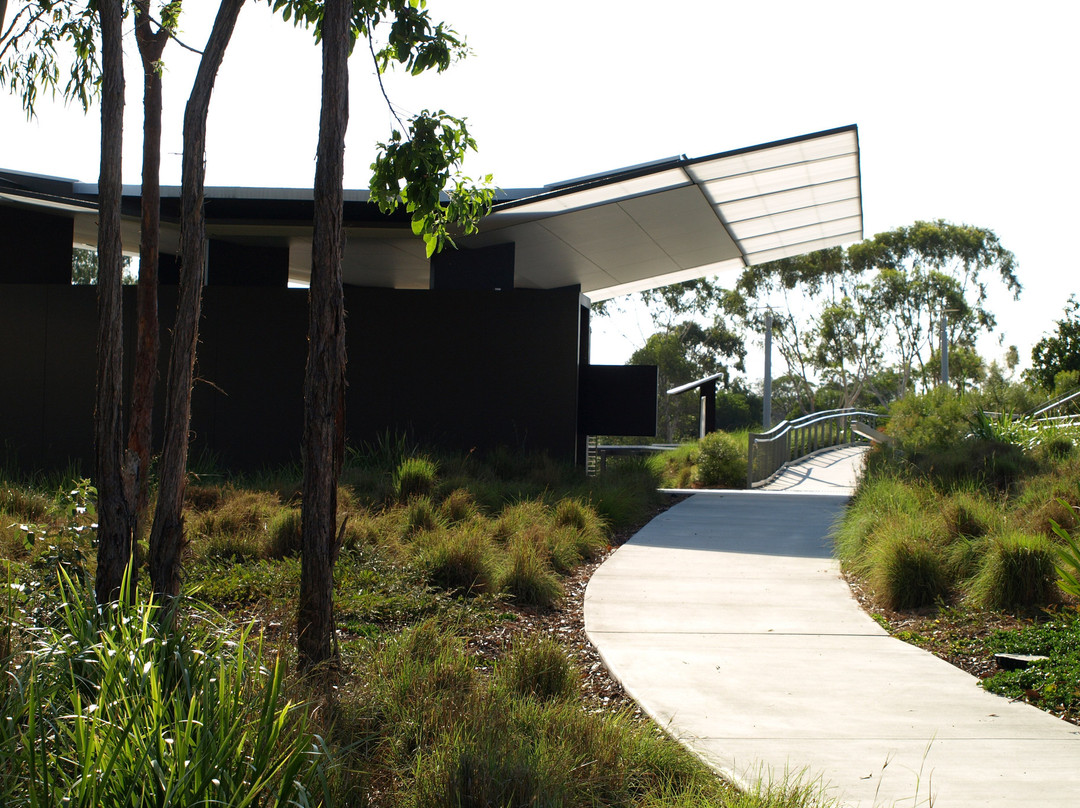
(416, 166)
(84, 37)
(44, 39)
(845, 317)
(167, 532)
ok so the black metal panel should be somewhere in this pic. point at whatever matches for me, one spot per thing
(456, 369)
(618, 399)
(35, 247)
(247, 265)
(482, 269)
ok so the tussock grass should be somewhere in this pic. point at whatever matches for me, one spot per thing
(528, 578)
(462, 560)
(415, 477)
(283, 534)
(538, 668)
(421, 514)
(907, 572)
(1017, 571)
(458, 506)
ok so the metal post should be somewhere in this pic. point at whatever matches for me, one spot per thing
(944, 345)
(766, 414)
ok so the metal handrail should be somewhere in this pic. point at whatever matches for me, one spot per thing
(770, 452)
(1057, 402)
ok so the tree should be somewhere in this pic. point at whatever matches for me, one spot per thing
(683, 353)
(84, 268)
(925, 268)
(140, 428)
(115, 539)
(30, 61)
(411, 171)
(39, 27)
(167, 533)
(842, 318)
(1059, 351)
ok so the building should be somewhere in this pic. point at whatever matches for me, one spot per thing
(487, 345)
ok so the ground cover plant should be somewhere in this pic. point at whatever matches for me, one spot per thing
(462, 676)
(962, 538)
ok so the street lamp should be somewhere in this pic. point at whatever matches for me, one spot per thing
(766, 407)
(945, 343)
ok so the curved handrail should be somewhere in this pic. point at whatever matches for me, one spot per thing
(770, 452)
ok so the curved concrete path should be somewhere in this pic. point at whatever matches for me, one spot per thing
(727, 620)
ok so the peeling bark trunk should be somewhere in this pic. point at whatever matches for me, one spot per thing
(114, 512)
(324, 378)
(140, 430)
(167, 535)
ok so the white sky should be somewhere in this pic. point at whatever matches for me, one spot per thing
(966, 110)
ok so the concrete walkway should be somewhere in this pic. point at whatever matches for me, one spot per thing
(727, 620)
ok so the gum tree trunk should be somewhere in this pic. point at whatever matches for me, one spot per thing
(324, 378)
(167, 535)
(114, 511)
(151, 46)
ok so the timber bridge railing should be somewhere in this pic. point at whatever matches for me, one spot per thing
(770, 452)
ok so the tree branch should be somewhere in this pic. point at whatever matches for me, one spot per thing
(378, 75)
(8, 38)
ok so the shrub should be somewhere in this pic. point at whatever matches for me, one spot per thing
(528, 577)
(907, 573)
(930, 420)
(721, 461)
(414, 477)
(539, 668)
(1017, 570)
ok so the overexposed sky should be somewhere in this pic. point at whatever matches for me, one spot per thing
(966, 110)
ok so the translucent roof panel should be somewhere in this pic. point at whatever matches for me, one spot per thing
(680, 219)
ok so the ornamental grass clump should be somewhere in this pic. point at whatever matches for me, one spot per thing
(907, 572)
(539, 668)
(283, 533)
(528, 578)
(461, 560)
(414, 477)
(1017, 570)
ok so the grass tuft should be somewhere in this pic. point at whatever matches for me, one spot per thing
(1017, 571)
(539, 668)
(528, 578)
(414, 477)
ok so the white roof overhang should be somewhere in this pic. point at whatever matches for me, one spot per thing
(682, 219)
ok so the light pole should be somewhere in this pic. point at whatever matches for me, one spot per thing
(766, 407)
(945, 344)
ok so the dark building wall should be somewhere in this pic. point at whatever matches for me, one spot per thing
(35, 247)
(453, 368)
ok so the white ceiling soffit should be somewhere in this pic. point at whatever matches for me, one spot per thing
(684, 219)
